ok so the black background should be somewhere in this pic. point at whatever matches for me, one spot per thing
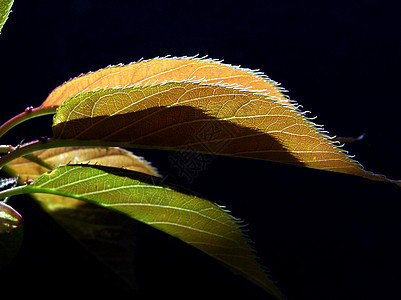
(322, 235)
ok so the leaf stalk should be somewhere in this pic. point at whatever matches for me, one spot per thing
(28, 114)
(19, 190)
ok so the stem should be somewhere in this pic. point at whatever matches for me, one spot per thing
(30, 189)
(23, 189)
(26, 115)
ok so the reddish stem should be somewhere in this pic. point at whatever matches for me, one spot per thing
(29, 113)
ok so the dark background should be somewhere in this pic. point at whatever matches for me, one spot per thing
(322, 235)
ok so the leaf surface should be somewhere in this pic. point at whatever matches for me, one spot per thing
(5, 7)
(10, 219)
(104, 156)
(149, 72)
(165, 70)
(202, 118)
(108, 235)
(191, 219)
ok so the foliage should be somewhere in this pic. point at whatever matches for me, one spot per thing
(84, 180)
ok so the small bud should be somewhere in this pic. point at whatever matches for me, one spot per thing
(28, 109)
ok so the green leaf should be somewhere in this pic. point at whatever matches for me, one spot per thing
(10, 233)
(191, 219)
(5, 7)
(108, 235)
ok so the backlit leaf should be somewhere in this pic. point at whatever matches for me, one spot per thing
(105, 233)
(202, 118)
(164, 70)
(5, 7)
(191, 219)
(151, 71)
(104, 156)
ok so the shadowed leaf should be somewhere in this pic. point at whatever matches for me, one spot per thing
(206, 118)
(108, 235)
(191, 219)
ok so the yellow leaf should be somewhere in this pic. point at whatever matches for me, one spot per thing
(201, 117)
(165, 69)
(104, 156)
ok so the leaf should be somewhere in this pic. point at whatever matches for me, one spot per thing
(191, 219)
(164, 70)
(5, 8)
(152, 71)
(104, 156)
(108, 235)
(203, 118)
(10, 219)
(10, 233)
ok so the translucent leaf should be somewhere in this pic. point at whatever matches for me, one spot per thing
(104, 156)
(5, 7)
(200, 117)
(152, 71)
(164, 70)
(109, 236)
(191, 219)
